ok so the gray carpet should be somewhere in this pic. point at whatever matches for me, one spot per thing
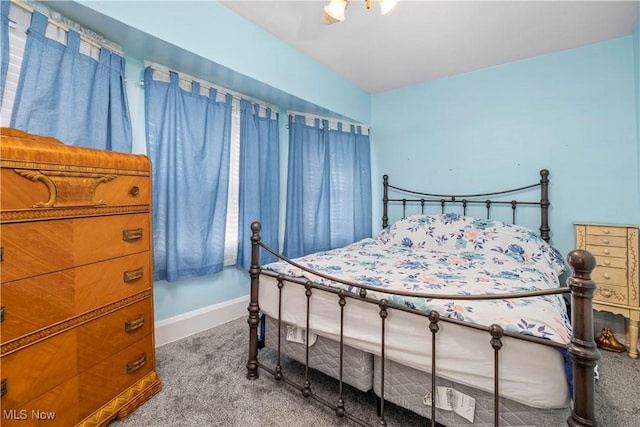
(204, 384)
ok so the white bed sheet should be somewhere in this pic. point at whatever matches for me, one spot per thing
(531, 374)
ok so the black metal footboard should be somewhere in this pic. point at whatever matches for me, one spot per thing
(582, 347)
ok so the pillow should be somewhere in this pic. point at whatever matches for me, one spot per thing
(452, 232)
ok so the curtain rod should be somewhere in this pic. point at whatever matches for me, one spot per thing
(206, 85)
(64, 27)
(331, 120)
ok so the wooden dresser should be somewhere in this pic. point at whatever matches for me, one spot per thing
(616, 274)
(76, 330)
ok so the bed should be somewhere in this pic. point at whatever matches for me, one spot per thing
(481, 294)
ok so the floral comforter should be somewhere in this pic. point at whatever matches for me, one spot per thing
(452, 254)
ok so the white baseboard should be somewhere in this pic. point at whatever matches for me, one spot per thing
(186, 324)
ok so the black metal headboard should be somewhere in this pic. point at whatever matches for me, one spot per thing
(465, 200)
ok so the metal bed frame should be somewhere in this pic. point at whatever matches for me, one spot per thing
(582, 347)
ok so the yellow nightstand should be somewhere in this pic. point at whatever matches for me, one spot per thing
(616, 274)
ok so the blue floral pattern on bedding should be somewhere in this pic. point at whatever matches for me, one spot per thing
(454, 254)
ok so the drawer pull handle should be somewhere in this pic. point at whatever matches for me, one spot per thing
(136, 364)
(135, 190)
(132, 325)
(605, 241)
(2, 313)
(605, 231)
(132, 275)
(130, 235)
(4, 387)
(607, 262)
(606, 251)
(606, 276)
(606, 294)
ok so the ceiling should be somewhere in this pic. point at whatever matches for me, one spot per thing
(424, 40)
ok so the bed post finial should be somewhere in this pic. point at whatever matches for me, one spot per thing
(544, 205)
(385, 200)
(254, 309)
(582, 348)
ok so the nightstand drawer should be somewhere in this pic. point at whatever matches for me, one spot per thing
(610, 276)
(606, 261)
(616, 241)
(611, 293)
(604, 230)
(607, 251)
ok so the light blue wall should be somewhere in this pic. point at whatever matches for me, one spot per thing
(572, 112)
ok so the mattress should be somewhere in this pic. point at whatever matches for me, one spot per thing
(531, 374)
(407, 387)
(324, 356)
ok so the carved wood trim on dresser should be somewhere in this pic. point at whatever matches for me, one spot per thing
(615, 247)
(76, 286)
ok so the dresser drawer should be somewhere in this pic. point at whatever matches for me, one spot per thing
(114, 375)
(106, 282)
(608, 251)
(610, 276)
(28, 246)
(50, 300)
(105, 237)
(57, 407)
(105, 336)
(26, 189)
(125, 190)
(611, 293)
(616, 241)
(38, 368)
(59, 296)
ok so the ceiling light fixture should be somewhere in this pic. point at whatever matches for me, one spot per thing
(334, 11)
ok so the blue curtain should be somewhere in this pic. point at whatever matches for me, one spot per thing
(329, 187)
(4, 36)
(188, 140)
(69, 95)
(259, 180)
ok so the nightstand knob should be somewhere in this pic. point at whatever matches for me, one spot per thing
(606, 276)
(606, 251)
(605, 241)
(605, 230)
(606, 294)
(607, 262)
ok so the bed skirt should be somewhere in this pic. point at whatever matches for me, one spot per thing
(324, 356)
(407, 387)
